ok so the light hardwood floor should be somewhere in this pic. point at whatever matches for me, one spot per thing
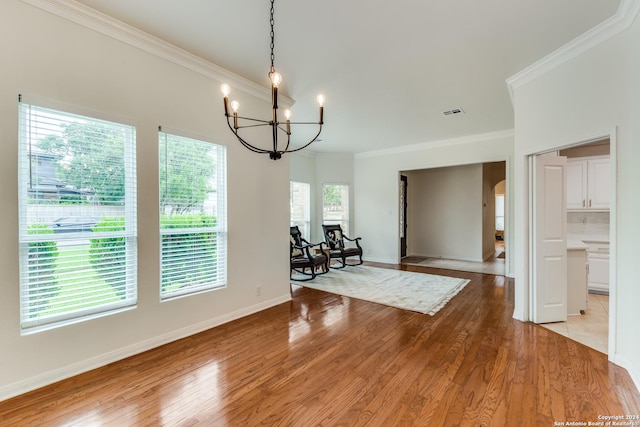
(324, 359)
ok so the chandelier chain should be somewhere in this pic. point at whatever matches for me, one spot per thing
(273, 34)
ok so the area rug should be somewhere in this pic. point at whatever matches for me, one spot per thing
(424, 293)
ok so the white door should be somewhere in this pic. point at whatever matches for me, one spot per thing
(549, 239)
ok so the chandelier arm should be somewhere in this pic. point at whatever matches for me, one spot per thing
(245, 143)
(254, 120)
(281, 128)
(306, 145)
(286, 147)
(251, 147)
(254, 126)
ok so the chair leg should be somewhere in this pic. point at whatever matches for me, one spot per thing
(342, 263)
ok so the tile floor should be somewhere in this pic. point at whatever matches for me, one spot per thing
(591, 328)
(494, 265)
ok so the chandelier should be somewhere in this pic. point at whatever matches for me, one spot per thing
(239, 122)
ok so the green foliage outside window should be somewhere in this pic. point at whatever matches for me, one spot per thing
(332, 195)
(185, 174)
(89, 156)
(177, 270)
(107, 255)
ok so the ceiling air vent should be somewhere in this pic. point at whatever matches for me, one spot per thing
(453, 112)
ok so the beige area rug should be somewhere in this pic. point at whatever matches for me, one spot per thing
(424, 293)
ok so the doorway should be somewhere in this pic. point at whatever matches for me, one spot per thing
(404, 182)
(589, 221)
(450, 219)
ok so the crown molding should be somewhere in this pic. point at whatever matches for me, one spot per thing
(101, 23)
(489, 136)
(621, 21)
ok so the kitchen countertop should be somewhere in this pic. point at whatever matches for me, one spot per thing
(594, 238)
(575, 244)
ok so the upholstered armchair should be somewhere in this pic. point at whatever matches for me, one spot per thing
(342, 247)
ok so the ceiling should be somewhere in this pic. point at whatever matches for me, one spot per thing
(388, 69)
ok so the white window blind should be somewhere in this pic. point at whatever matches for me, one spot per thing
(193, 215)
(77, 216)
(335, 205)
(300, 204)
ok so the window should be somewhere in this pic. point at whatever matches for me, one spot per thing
(335, 205)
(300, 201)
(193, 214)
(500, 212)
(77, 217)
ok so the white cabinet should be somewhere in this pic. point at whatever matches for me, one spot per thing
(598, 260)
(598, 183)
(588, 182)
(576, 184)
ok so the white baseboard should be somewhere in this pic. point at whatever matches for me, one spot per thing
(631, 369)
(11, 390)
(456, 258)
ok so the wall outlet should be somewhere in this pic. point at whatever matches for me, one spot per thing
(258, 290)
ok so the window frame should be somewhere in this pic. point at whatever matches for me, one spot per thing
(303, 223)
(220, 228)
(345, 220)
(32, 115)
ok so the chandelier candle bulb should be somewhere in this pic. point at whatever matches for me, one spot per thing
(287, 115)
(276, 79)
(235, 105)
(226, 106)
(226, 90)
(320, 100)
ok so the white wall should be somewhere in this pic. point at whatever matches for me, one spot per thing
(591, 95)
(445, 212)
(628, 226)
(377, 176)
(317, 169)
(45, 56)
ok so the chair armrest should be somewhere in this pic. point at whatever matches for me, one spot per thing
(306, 248)
(357, 240)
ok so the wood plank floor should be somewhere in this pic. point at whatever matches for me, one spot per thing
(323, 359)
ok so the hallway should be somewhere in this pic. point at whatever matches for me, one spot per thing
(494, 265)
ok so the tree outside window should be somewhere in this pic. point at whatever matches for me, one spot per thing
(335, 205)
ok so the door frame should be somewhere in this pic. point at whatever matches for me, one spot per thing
(404, 183)
(612, 135)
